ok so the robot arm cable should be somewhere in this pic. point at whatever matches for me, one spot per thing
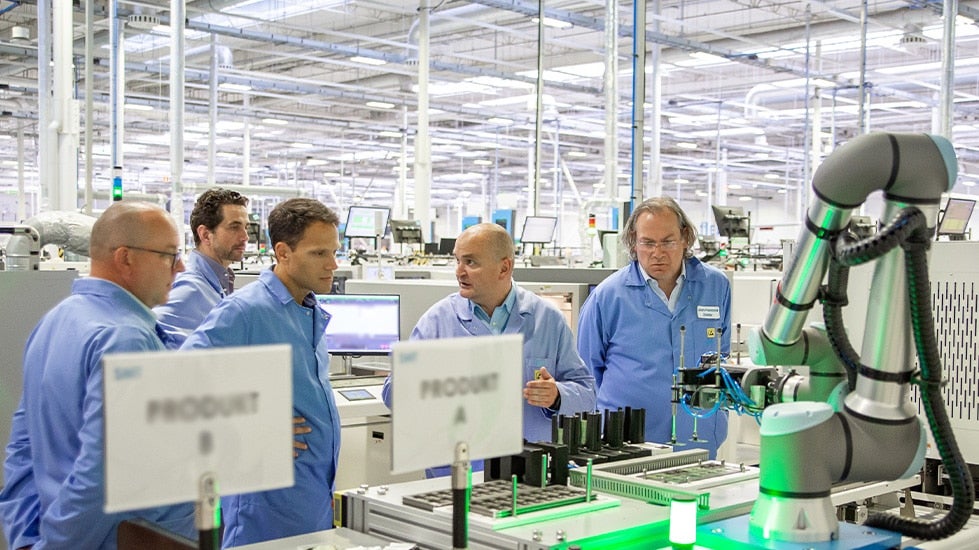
(923, 324)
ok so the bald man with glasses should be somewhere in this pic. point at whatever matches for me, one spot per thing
(55, 465)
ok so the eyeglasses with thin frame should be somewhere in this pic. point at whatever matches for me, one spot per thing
(666, 246)
(175, 255)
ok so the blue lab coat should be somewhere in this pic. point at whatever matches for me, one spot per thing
(265, 313)
(55, 466)
(547, 342)
(631, 342)
(195, 292)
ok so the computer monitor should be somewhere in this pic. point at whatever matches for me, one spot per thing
(406, 231)
(731, 221)
(602, 233)
(362, 324)
(446, 246)
(955, 217)
(366, 221)
(538, 229)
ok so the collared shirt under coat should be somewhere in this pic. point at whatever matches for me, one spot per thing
(264, 312)
(55, 468)
(195, 292)
(631, 341)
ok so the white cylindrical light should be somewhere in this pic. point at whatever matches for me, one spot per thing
(683, 521)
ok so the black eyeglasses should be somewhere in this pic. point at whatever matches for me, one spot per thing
(174, 255)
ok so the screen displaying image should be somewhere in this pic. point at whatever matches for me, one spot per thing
(361, 324)
(366, 221)
(955, 219)
(538, 229)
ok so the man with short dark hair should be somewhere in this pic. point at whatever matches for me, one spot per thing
(219, 222)
(281, 308)
(55, 467)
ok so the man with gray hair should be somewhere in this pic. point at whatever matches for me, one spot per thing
(489, 302)
(629, 332)
(55, 466)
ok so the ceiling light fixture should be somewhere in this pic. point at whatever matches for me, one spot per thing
(554, 23)
(234, 87)
(380, 104)
(368, 60)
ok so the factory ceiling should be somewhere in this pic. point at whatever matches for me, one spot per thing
(321, 95)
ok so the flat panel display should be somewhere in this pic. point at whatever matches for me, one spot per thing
(955, 217)
(538, 229)
(362, 324)
(366, 221)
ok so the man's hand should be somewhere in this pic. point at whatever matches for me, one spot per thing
(298, 428)
(543, 391)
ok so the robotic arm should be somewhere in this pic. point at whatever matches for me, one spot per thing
(807, 444)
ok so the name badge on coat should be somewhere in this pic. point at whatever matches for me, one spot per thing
(708, 312)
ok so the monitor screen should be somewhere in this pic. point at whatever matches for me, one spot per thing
(731, 221)
(362, 324)
(955, 217)
(538, 229)
(406, 231)
(366, 221)
(446, 246)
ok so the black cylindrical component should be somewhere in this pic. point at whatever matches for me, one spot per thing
(627, 423)
(637, 426)
(614, 429)
(209, 539)
(593, 431)
(571, 435)
(605, 434)
(556, 428)
(460, 518)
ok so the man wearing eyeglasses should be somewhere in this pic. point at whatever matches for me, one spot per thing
(629, 332)
(219, 222)
(55, 465)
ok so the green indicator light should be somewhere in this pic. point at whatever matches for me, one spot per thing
(116, 189)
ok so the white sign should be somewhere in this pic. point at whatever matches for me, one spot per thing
(456, 390)
(172, 416)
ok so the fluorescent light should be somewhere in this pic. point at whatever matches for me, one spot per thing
(701, 59)
(500, 121)
(367, 60)
(686, 145)
(681, 180)
(577, 154)
(275, 121)
(316, 162)
(968, 183)
(554, 23)
(483, 162)
(734, 186)
(389, 133)
(781, 191)
(380, 104)
(745, 198)
(138, 107)
(301, 145)
(234, 87)
(772, 176)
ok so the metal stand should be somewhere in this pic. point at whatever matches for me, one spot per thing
(207, 513)
(461, 487)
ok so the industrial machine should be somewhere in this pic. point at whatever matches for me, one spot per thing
(851, 419)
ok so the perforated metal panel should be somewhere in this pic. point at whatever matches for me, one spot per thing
(954, 274)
